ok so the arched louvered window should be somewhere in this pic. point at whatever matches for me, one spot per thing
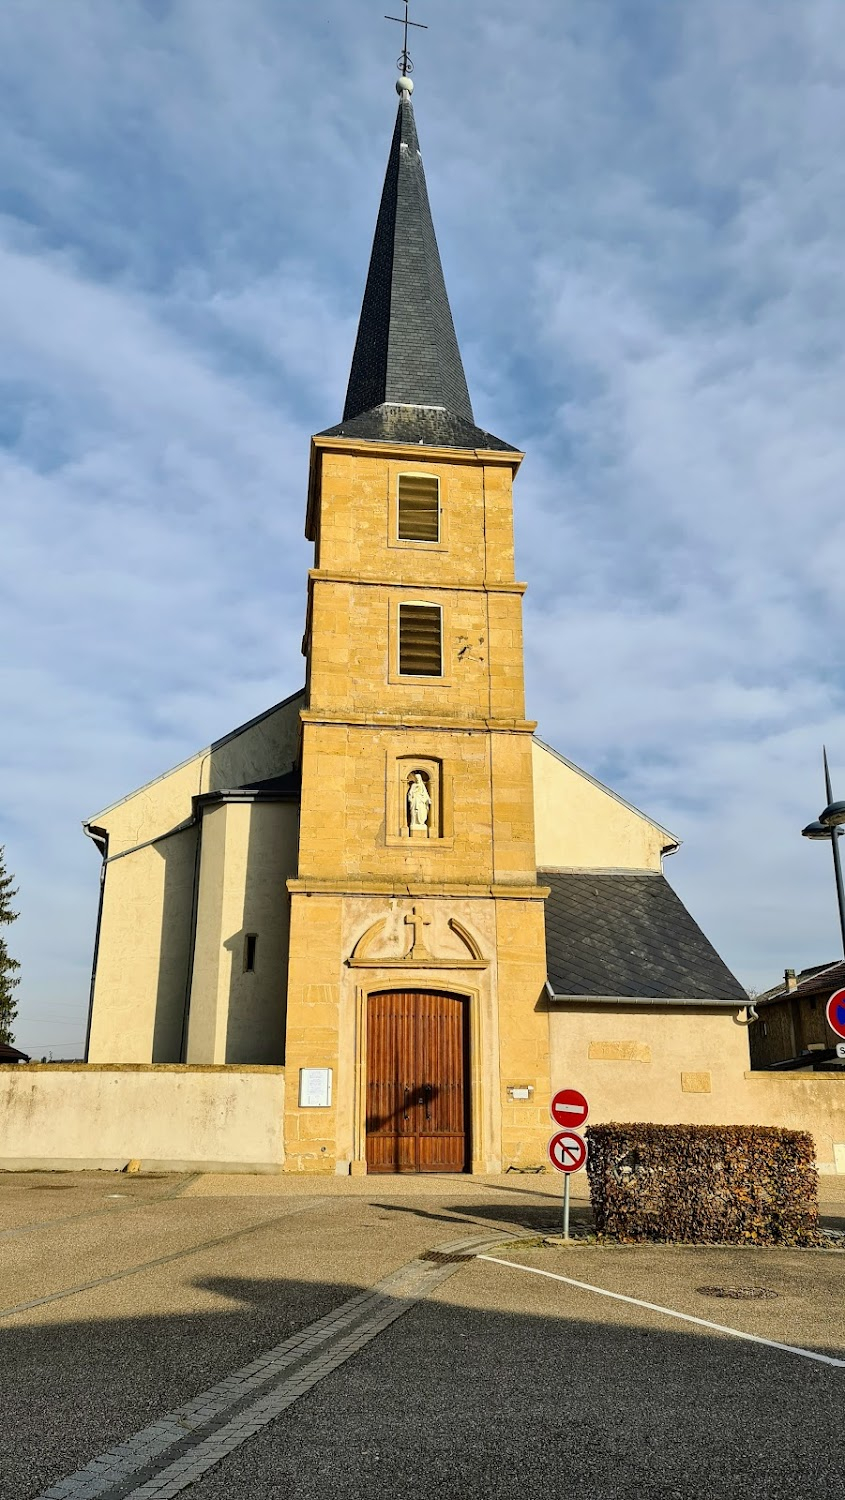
(418, 507)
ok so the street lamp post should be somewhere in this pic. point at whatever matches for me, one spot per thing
(828, 825)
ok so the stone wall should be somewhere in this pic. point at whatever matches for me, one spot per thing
(674, 1066)
(75, 1116)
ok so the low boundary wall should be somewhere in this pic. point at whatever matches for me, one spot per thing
(802, 1101)
(79, 1116)
(688, 1066)
(76, 1116)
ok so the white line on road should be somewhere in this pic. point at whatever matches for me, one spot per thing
(668, 1312)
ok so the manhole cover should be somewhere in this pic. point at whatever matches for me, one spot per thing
(739, 1293)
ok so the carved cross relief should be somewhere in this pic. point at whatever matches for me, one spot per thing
(369, 951)
(417, 922)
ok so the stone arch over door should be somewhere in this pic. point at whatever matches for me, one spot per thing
(417, 1103)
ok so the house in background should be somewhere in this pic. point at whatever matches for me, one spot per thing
(9, 1054)
(792, 1031)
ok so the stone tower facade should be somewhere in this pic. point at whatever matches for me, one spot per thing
(414, 652)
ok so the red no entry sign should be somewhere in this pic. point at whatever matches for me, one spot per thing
(836, 1012)
(567, 1151)
(569, 1108)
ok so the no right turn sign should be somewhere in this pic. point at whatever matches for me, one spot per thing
(567, 1151)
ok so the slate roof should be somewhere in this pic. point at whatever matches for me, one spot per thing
(286, 787)
(407, 382)
(431, 427)
(626, 935)
(406, 348)
(287, 784)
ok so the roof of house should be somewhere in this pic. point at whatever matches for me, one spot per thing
(820, 980)
(625, 935)
(12, 1054)
(407, 382)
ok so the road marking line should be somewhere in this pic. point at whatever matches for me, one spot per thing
(165, 1260)
(669, 1312)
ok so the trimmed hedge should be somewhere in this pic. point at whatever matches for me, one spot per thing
(704, 1184)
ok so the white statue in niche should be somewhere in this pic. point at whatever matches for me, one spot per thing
(419, 803)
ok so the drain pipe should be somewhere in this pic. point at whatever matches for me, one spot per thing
(99, 836)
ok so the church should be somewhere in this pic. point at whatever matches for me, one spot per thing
(387, 884)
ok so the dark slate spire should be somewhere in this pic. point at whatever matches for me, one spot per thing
(406, 350)
(407, 382)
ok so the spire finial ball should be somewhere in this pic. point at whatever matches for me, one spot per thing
(404, 85)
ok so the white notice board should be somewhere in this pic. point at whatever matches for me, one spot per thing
(315, 1088)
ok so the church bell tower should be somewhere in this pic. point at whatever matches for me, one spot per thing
(417, 951)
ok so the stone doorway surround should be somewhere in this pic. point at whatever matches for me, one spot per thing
(423, 927)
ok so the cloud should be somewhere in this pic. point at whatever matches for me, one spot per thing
(640, 212)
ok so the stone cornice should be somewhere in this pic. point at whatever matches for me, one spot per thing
(417, 721)
(509, 458)
(348, 886)
(484, 586)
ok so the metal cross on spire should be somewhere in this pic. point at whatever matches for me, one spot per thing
(403, 62)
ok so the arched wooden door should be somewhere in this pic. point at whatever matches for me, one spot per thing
(417, 1082)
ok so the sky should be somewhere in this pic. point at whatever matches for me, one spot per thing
(641, 213)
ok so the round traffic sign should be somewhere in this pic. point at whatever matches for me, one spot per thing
(569, 1108)
(836, 1012)
(567, 1151)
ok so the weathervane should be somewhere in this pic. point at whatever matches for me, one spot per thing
(403, 62)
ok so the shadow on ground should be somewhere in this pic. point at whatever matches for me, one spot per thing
(540, 1218)
(459, 1398)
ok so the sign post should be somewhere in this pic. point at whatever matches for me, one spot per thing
(567, 1150)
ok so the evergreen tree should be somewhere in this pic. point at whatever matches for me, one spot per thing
(8, 965)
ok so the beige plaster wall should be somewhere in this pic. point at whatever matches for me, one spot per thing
(266, 746)
(801, 1101)
(142, 964)
(582, 825)
(248, 852)
(678, 1066)
(144, 950)
(169, 1117)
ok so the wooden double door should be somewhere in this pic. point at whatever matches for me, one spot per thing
(417, 1082)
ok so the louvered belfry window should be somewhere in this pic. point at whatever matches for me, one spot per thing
(419, 508)
(420, 640)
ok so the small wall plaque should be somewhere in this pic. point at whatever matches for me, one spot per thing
(520, 1091)
(315, 1088)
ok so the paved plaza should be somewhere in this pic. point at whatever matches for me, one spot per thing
(263, 1337)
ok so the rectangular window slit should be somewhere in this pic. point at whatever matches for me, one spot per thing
(250, 944)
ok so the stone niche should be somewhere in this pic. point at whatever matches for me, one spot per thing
(436, 821)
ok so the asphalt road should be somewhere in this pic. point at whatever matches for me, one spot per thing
(479, 1379)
